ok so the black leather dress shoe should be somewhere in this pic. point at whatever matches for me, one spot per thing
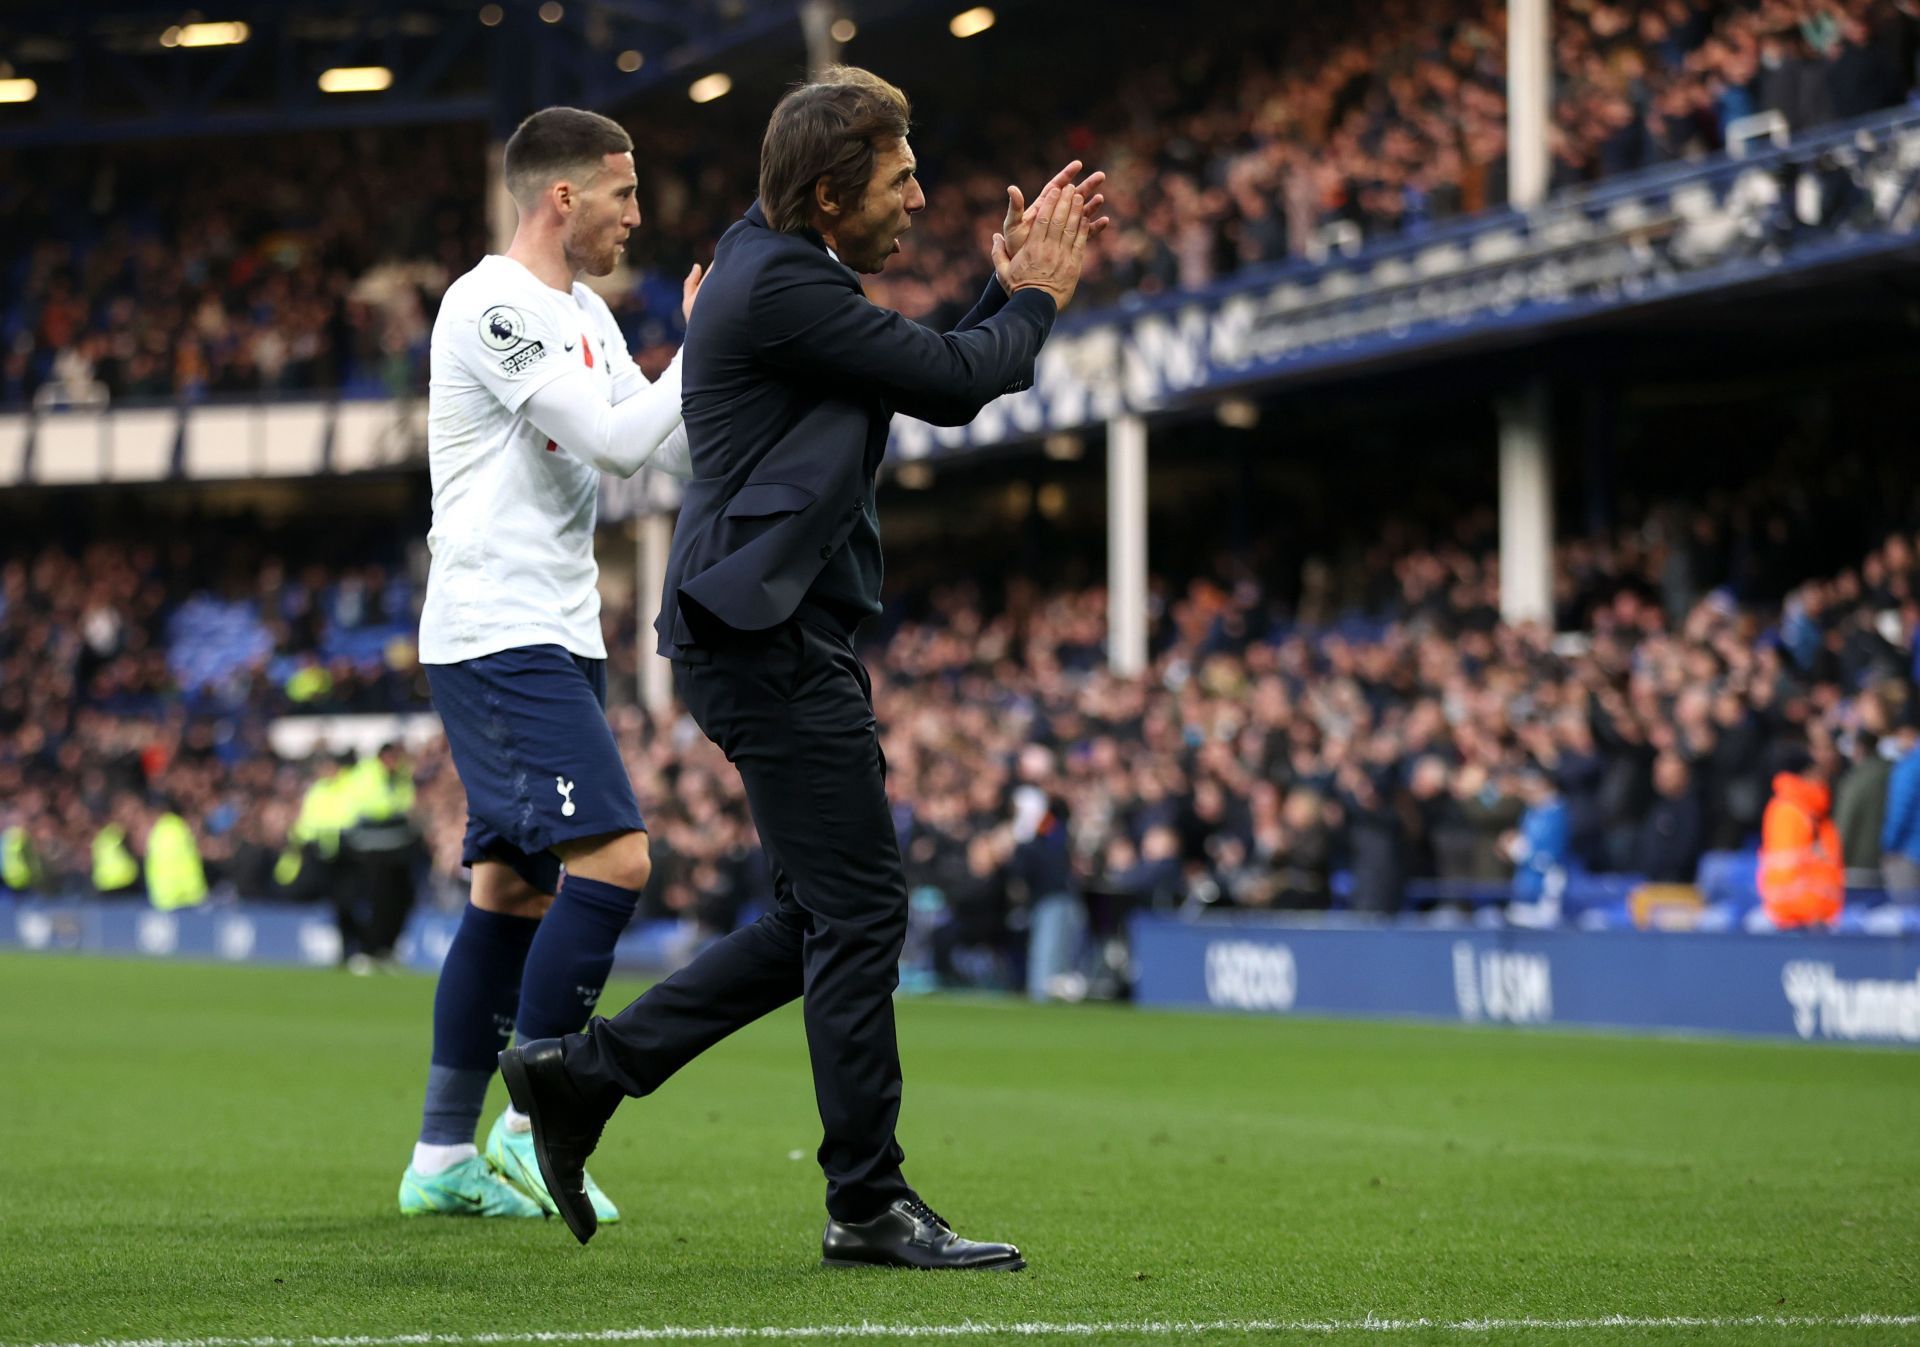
(910, 1234)
(566, 1126)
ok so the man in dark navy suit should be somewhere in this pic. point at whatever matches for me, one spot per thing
(791, 378)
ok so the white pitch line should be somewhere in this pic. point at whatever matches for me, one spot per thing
(969, 1329)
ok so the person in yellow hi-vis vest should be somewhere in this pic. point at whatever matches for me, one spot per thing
(21, 869)
(313, 842)
(175, 876)
(377, 852)
(116, 870)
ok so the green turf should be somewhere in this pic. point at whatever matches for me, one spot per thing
(214, 1151)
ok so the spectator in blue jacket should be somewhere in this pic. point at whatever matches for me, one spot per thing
(1542, 853)
(1900, 834)
(1042, 870)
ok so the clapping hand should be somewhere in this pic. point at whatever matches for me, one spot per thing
(1055, 247)
(1021, 215)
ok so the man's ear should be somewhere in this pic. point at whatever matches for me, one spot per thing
(563, 197)
(825, 200)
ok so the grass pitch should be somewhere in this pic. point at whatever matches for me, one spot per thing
(195, 1152)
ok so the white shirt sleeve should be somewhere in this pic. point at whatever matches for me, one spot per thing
(512, 350)
(674, 456)
(627, 376)
(620, 437)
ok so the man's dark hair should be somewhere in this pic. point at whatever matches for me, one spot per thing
(555, 142)
(832, 128)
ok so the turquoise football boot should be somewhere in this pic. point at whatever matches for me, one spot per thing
(511, 1153)
(470, 1188)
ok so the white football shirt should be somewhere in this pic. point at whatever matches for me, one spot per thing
(513, 513)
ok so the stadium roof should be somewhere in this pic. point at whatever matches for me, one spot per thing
(139, 69)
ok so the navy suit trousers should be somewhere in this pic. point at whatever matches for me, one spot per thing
(793, 709)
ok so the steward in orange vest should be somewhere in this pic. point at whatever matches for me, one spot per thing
(1802, 879)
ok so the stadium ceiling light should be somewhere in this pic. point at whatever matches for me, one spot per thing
(207, 35)
(1237, 414)
(214, 33)
(552, 12)
(18, 91)
(491, 15)
(630, 61)
(843, 30)
(709, 87)
(970, 22)
(355, 79)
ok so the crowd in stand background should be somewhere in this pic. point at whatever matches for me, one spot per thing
(1371, 727)
(315, 261)
(1382, 728)
(1392, 118)
(299, 263)
(110, 715)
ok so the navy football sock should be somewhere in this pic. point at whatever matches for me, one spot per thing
(572, 956)
(473, 1011)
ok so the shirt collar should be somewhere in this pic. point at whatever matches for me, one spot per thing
(757, 215)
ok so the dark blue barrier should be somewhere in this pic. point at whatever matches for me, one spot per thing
(251, 933)
(1852, 988)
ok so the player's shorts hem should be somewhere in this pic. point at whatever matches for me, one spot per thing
(495, 840)
(565, 835)
(539, 871)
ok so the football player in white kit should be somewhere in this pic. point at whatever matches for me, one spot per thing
(532, 396)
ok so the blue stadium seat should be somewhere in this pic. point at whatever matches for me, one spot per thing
(1585, 892)
(1466, 892)
(1886, 919)
(1729, 877)
(1729, 882)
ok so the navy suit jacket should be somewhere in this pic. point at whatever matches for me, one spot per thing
(789, 381)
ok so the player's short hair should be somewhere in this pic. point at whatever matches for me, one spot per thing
(556, 142)
(832, 128)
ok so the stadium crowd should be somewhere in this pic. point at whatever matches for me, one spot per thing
(1379, 727)
(1239, 151)
(178, 270)
(173, 271)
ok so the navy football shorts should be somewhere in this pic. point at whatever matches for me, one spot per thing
(530, 739)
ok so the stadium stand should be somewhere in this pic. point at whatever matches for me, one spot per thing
(1393, 121)
(1374, 740)
(183, 271)
(155, 273)
(1365, 735)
